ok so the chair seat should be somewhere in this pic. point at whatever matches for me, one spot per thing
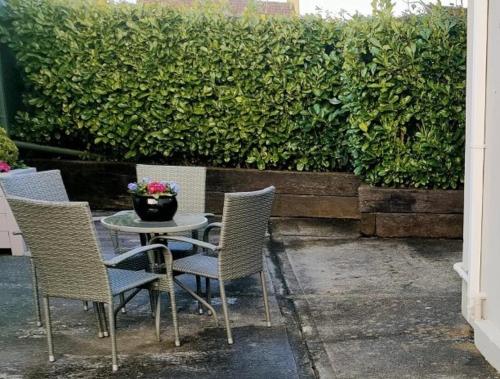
(180, 246)
(124, 280)
(198, 265)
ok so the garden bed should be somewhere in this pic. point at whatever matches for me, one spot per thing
(298, 194)
(396, 212)
(384, 212)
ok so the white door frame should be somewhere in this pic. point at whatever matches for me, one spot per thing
(480, 23)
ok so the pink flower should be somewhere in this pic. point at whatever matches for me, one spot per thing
(4, 166)
(156, 187)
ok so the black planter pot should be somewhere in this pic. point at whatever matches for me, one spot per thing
(150, 209)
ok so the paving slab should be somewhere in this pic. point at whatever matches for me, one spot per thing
(378, 308)
(258, 351)
(342, 307)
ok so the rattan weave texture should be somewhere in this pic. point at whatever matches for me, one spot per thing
(244, 224)
(124, 280)
(64, 246)
(198, 265)
(243, 229)
(41, 185)
(66, 252)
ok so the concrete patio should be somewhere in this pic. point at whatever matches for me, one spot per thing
(342, 307)
(377, 308)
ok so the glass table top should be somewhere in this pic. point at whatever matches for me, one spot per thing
(128, 221)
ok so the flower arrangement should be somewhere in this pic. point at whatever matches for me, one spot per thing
(4, 166)
(148, 187)
(9, 154)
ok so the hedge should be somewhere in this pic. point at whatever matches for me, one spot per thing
(376, 95)
(405, 93)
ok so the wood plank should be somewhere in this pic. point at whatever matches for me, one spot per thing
(214, 202)
(286, 205)
(367, 225)
(427, 225)
(228, 179)
(400, 200)
(286, 182)
(103, 185)
(316, 206)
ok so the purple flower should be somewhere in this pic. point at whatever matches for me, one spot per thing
(174, 187)
(132, 186)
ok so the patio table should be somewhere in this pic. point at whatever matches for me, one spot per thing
(129, 222)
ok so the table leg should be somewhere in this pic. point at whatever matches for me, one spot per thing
(195, 236)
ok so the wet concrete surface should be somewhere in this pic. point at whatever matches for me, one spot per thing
(258, 351)
(342, 307)
(378, 308)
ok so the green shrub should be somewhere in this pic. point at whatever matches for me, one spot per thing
(8, 149)
(404, 83)
(152, 83)
(383, 96)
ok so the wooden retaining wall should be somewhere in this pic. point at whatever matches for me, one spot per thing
(298, 194)
(390, 212)
(383, 212)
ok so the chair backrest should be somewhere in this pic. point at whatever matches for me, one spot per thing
(244, 224)
(42, 185)
(64, 246)
(191, 181)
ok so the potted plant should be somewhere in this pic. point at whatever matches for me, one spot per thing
(9, 157)
(154, 200)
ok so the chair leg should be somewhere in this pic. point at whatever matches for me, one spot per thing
(174, 316)
(194, 235)
(266, 300)
(152, 302)
(36, 299)
(122, 301)
(226, 313)
(115, 241)
(97, 312)
(198, 292)
(157, 314)
(208, 293)
(112, 331)
(103, 319)
(48, 327)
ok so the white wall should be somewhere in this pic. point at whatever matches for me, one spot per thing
(480, 268)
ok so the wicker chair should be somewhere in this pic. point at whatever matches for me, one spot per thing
(66, 251)
(243, 228)
(191, 199)
(47, 186)
(42, 185)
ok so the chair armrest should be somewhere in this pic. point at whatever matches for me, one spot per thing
(209, 227)
(214, 225)
(129, 254)
(192, 241)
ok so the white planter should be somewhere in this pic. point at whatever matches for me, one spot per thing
(8, 226)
